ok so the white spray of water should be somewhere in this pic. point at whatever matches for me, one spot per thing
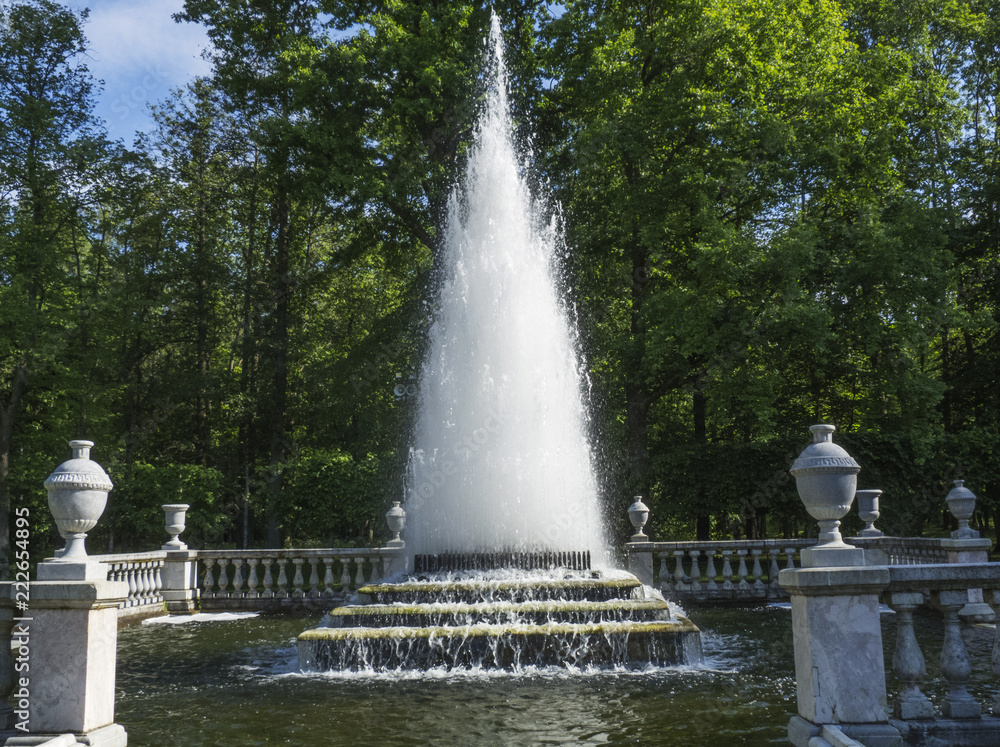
(501, 458)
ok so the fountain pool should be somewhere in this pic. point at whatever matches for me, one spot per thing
(238, 683)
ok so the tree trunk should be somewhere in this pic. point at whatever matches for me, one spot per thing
(279, 360)
(202, 432)
(698, 412)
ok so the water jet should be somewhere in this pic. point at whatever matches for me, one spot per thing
(508, 558)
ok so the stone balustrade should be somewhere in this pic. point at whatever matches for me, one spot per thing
(288, 579)
(746, 571)
(292, 579)
(143, 572)
(839, 654)
(907, 550)
(717, 572)
(945, 588)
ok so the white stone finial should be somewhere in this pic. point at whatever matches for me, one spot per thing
(638, 514)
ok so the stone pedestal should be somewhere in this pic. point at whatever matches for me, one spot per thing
(70, 633)
(839, 669)
(976, 550)
(395, 560)
(640, 561)
(836, 554)
(180, 581)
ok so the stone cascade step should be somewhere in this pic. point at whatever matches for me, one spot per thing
(589, 586)
(499, 613)
(501, 646)
(501, 620)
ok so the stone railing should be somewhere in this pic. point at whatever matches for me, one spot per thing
(721, 571)
(287, 579)
(839, 654)
(143, 572)
(217, 580)
(746, 571)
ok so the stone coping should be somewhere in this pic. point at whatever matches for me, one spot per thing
(943, 543)
(676, 625)
(71, 594)
(895, 578)
(128, 557)
(331, 552)
(721, 545)
(845, 581)
(944, 576)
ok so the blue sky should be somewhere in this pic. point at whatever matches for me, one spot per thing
(140, 53)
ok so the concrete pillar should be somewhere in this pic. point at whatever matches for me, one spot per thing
(640, 561)
(839, 669)
(180, 581)
(976, 550)
(65, 664)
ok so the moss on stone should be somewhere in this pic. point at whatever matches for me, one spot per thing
(672, 627)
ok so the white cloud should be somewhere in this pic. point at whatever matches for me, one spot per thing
(140, 53)
(129, 34)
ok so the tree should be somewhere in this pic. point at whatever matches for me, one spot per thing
(50, 145)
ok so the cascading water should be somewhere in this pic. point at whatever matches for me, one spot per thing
(503, 518)
(501, 459)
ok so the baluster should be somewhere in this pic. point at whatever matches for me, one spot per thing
(759, 589)
(268, 578)
(297, 580)
(314, 578)
(142, 571)
(695, 572)
(252, 581)
(711, 585)
(149, 578)
(133, 586)
(328, 577)
(742, 585)
(359, 575)
(680, 583)
(237, 578)
(158, 582)
(908, 660)
(774, 570)
(143, 583)
(223, 578)
(345, 576)
(955, 664)
(282, 579)
(789, 558)
(994, 660)
(727, 571)
(208, 589)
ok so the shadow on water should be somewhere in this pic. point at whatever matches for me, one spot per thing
(236, 683)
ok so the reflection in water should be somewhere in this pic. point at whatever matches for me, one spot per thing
(236, 683)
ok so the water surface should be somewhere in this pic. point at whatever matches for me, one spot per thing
(236, 683)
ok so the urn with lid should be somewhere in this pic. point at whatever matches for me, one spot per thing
(78, 492)
(827, 478)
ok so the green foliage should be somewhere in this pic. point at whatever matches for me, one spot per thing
(330, 497)
(133, 520)
(778, 213)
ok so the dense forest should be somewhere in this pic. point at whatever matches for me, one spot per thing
(778, 212)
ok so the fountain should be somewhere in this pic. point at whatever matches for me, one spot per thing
(505, 540)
